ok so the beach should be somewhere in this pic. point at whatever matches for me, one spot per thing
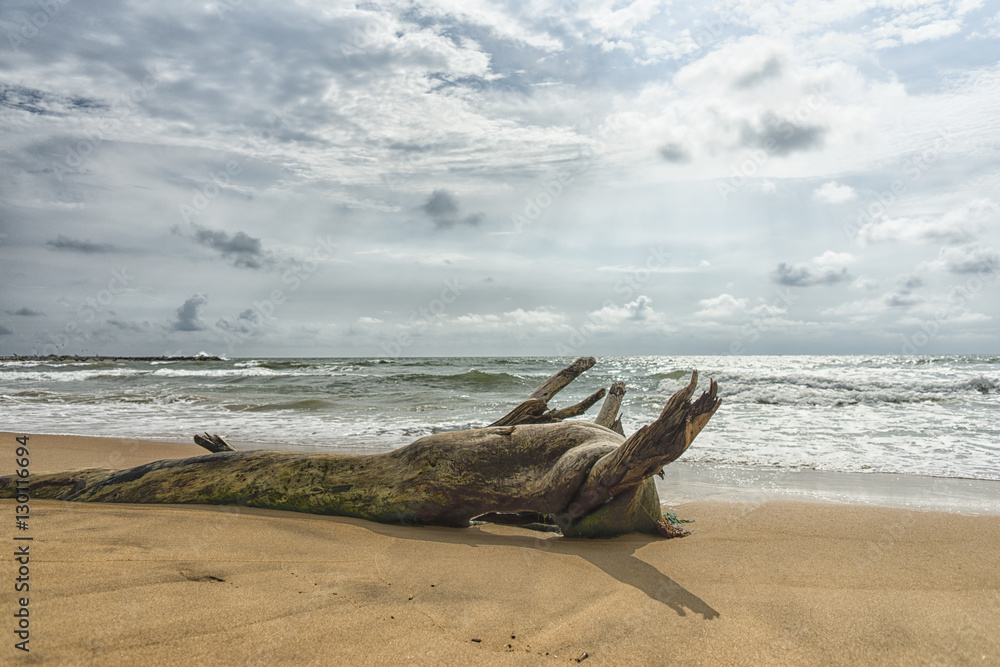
(764, 582)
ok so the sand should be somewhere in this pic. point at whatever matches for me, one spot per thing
(774, 582)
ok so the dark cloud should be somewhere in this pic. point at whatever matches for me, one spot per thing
(803, 276)
(970, 258)
(781, 137)
(244, 250)
(442, 208)
(771, 69)
(189, 316)
(42, 103)
(25, 312)
(74, 245)
(245, 322)
(903, 295)
(4, 331)
(130, 326)
(673, 152)
(441, 204)
(900, 298)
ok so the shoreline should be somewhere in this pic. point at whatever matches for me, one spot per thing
(757, 582)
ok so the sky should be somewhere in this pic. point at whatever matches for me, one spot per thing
(249, 178)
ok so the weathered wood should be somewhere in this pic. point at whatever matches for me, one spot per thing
(213, 443)
(557, 382)
(644, 453)
(576, 409)
(527, 412)
(532, 410)
(609, 410)
(590, 480)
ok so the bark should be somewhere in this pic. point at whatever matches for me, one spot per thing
(588, 479)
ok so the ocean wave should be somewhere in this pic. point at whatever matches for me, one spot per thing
(672, 375)
(216, 372)
(472, 379)
(70, 376)
(824, 390)
(304, 405)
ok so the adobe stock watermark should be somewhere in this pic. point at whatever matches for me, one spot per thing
(741, 173)
(35, 22)
(87, 312)
(126, 106)
(708, 34)
(543, 198)
(913, 168)
(957, 296)
(365, 37)
(422, 317)
(553, 187)
(223, 178)
(627, 287)
(241, 328)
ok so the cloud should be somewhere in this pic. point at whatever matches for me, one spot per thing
(539, 317)
(43, 103)
(25, 312)
(959, 225)
(902, 295)
(865, 283)
(721, 307)
(4, 331)
(834, 193)
(124, 325)
(442, 208)
(244, 250)
(968, 258)
(639, 310)
(780, 136)
(73, 245)
(189, 316)
(245, 322)
(827, 269)
(675, 152)
(900, 298)
(769, 70)
(517, 321)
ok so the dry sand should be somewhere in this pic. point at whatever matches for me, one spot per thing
(769, 583)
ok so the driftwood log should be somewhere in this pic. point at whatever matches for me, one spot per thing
(528, 466)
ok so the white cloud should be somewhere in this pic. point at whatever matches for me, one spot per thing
(968, 258)
(637, 311)
(956, 226)
(834, 193)
(721, 307)
(514, 321)
(827, 269)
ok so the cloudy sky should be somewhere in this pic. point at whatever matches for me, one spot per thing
(252, 178)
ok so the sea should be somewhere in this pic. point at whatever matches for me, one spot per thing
(901, 416)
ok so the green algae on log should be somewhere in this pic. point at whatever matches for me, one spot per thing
(586, 478)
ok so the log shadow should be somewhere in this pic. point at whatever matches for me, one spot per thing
(619, 561)
(615, 556)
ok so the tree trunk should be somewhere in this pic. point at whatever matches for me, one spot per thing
(590, 480)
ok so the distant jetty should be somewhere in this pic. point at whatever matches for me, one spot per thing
(74, 357)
